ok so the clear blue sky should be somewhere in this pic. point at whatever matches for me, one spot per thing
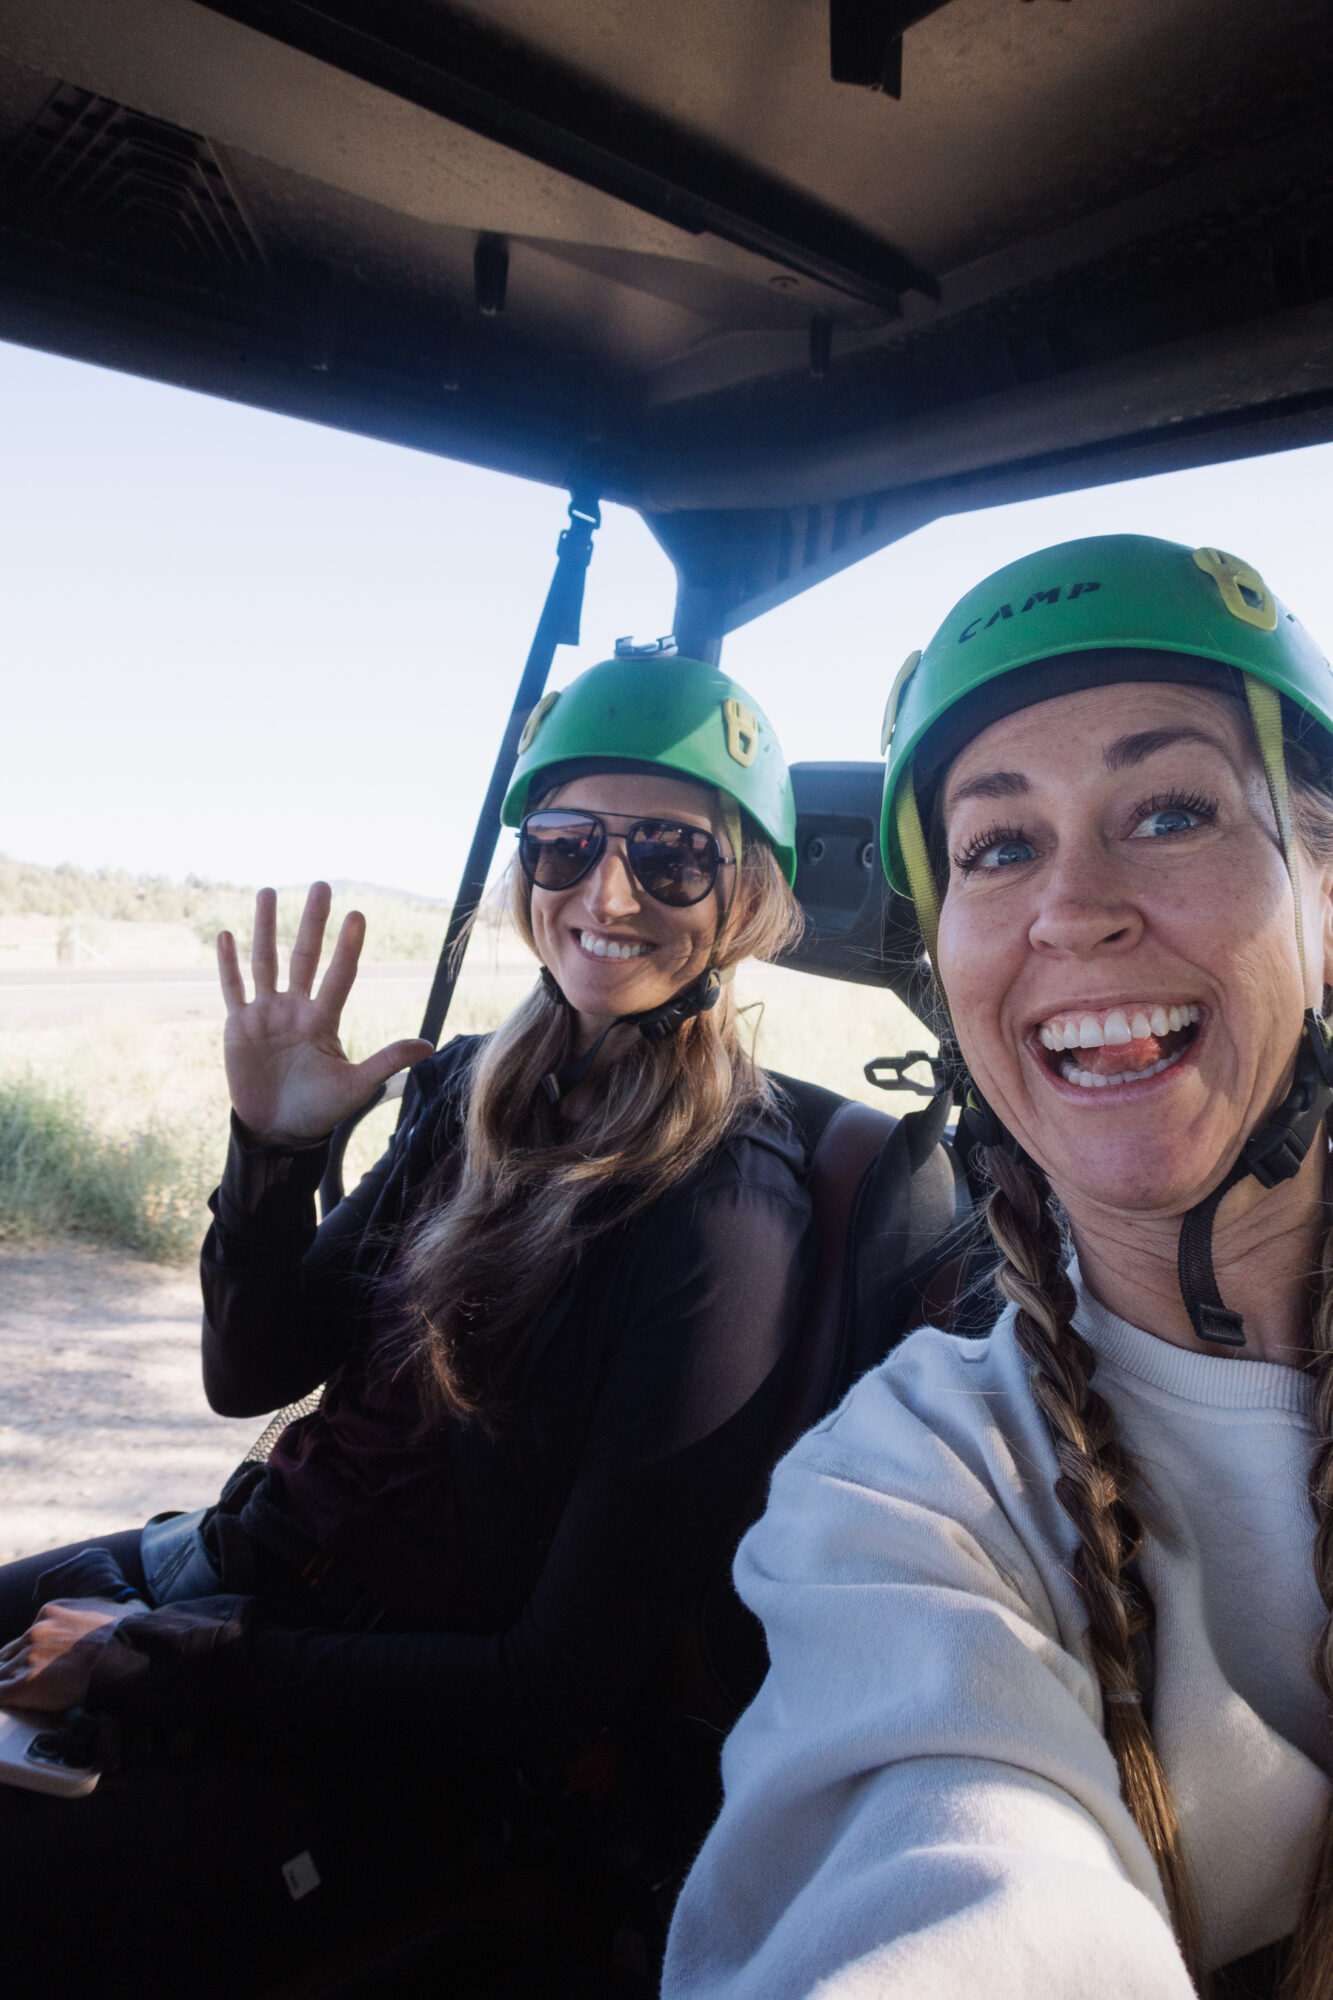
(250, 648)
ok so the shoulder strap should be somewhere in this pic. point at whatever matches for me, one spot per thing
(911, 1206)
(810, 1107)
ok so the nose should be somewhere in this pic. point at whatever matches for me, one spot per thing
(610, 890)
(1084, 909)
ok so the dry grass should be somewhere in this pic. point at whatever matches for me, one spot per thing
(142, 1102)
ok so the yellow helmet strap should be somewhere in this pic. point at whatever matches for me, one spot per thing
(916, 860)
(1266, 715)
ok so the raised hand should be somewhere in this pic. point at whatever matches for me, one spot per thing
(289, 1077)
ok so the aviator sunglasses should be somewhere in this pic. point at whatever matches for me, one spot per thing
(673, 863)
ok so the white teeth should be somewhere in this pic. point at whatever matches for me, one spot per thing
(1085, 1031)
(602, 947)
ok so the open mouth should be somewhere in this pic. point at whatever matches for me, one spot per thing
(599, 946)
(1125, 1044)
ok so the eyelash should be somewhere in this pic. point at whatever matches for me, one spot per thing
(1197, 803)
(994, 836)
(1203, 808)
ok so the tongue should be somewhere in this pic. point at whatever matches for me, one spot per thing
(1116, 1057)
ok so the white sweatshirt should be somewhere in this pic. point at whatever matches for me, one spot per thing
(920, 1801)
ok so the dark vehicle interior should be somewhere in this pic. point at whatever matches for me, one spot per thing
(792, 278)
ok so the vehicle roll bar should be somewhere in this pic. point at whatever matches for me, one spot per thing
(558, 625)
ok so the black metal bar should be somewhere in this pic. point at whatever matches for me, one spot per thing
(557, 626)
(468, 71)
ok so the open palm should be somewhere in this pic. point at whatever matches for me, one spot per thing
(289, 1077)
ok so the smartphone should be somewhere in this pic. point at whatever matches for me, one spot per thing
(43, 1753)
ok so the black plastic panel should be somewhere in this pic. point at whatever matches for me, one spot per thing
(856, 927)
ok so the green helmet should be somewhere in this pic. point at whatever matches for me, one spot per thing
(1109, 593)
(681, 715)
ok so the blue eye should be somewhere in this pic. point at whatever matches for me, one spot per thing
(1000, 847)
(1005, 854)
(1160, 821)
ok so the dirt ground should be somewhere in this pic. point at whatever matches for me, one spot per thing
(102, 1414)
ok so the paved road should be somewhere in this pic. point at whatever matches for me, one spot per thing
(31, 999)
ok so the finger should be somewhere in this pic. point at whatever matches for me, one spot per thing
(229, 972)
(309, 938)
(387, 1062)
(337, 982)
(264, 953)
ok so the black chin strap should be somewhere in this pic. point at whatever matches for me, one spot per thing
(1272, 1154)
(1209, 1317)
(655, 1024)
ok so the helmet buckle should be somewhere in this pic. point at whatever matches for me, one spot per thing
(647, 649)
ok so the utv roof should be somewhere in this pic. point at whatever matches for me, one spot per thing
(659, 254)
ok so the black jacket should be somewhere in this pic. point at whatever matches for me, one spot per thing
(583, 1530)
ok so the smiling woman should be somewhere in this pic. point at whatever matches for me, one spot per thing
(551, 1325)
(1042, 1608)
(1145, 884)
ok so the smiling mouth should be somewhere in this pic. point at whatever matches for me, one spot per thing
(598, 946)
(1117, 1045)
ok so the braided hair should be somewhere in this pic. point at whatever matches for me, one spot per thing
(1094, 1487)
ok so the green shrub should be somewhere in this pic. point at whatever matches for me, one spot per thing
(60, 1177)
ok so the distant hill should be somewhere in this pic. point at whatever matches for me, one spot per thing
(345, 887)
(26, 888)
(398, 925)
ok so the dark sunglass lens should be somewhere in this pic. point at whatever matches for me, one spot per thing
(555, 849)
(676, 864)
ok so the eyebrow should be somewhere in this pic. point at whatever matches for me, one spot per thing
(993, 785)
(1122, 755)
(1129, 750)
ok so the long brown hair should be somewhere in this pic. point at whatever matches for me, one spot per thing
(492, 1244)
(1097, 1484)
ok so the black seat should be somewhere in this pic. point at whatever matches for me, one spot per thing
(893, 1217)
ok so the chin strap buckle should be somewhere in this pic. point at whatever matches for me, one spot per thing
(660, 1023)
(897, 1079)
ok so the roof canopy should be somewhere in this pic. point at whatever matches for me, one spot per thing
(658, 253)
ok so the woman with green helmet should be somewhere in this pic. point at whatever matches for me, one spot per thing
(1049, 1611)
(550, 1325)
